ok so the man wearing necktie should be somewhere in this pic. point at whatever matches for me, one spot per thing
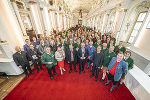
(71, 57)
(83, 54)
(91, 50)
(34, 56)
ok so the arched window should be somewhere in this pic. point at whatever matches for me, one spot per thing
(137, 26)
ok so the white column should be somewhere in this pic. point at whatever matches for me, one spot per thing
(65, 24)
(62, 21)
(10, 29)
(50, 20)
(46, 20)
(55, 20)
(36, 18)
(105, 21)
(58, 21)
(18, 16)
(118, 34)
(41, 18)
(117, 20)
(67, 20)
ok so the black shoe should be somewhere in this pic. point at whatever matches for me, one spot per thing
(83, 71)
(111, 90)
(75, 70)
(79, 72)
(105, 84)
(27, 76)
(87, 68)
(51, 77)
(101, 80)
(91, 76)
(119, 85)
(96, 79)
(70, 71)
(55, 74)
(101, 75)
(100, 70)
(32, 72)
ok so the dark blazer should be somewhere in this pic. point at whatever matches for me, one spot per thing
(33, 52)
(21, 59)
(98, 59)
(68, 55)
(53, 48)
(65, 47)
(80, 53)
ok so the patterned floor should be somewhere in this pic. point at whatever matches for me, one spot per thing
(7, 84)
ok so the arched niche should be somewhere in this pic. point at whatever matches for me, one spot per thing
(132, 15)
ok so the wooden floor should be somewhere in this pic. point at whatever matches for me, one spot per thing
(9, 83)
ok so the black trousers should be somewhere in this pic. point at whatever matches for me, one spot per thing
(74, 64)
(26, 67)
(82, 63)
(49, 70)
(97, 71)
(36, 63)
(111, 77)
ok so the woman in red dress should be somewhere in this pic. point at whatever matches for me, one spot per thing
(60, 56)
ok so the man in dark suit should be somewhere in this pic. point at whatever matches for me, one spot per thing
(34, 56)
(22, 60)
(26, 46)
(71, 57)
(97, 62)
(83, 54)
(53, 46)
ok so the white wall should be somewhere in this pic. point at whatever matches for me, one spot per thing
(143, 40)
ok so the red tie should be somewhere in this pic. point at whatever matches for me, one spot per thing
(90, 48)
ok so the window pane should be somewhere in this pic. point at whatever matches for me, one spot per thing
(131, 39)
(141, 16)
(137, 25)
(134, 33)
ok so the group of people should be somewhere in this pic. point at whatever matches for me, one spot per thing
(77, 46)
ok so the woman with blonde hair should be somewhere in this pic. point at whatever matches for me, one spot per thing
(60, 56)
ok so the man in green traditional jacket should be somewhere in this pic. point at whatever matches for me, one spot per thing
(108, 55)
(98, 43)
(120, 48)
(104, 48)
(70, 42)
(77, 45)
(130, 62)
(48, 58)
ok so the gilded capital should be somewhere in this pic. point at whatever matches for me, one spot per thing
(125, 10)
(28, 9)
(13, 0)
(41, 9)
(31, 2)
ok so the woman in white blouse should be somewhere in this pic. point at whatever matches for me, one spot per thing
(60, 56)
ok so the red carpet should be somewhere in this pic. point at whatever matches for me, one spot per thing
(66, 87)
